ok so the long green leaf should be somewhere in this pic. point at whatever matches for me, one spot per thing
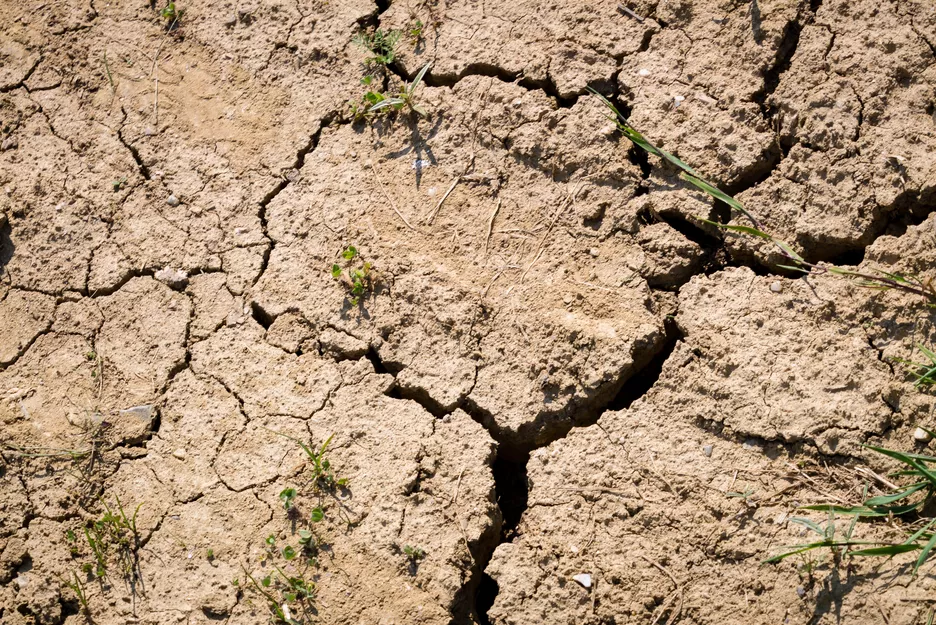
(896, 455)
(884, 500)
(924, 554)
(890, 550)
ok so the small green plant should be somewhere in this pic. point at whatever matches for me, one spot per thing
(413, 553)
(924, 373)
(119, 184)
(287, 497)
(286, 589)
(381, 44)
(414, 31)
(905, 503)
(406, 98)
(170, 13)
(78, 588)
(881, 280)
(358, 280)
(113, 538)
(209, 554)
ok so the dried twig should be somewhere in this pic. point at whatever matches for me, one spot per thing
(624, 9)
(490, 227)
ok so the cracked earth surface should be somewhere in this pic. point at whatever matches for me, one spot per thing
(559, 373)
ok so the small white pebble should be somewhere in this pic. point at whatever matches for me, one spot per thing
(172, 200)
(149, 131)
(420, 164)
(584, 579)
(776, 286)
(593, 251)
(800, 591)
(707, 450)
(678, 99)
(179, 453)
(921, 435)
(573, 548)
(644, 72)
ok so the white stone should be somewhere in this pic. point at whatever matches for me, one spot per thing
(707, 450)
(179, 453)
(921, 435)
(776, 286)
(643, 72)
(172, 200)
(171, 277)
(584, 579)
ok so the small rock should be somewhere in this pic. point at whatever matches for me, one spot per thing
(707, 450)
(584, 579)
(678, 99)
(230, 22)
(593, 251)
(922, 435)
(149, 131)
(9, 143)
(776, 286)
(174, 278)
(643, 72)
(573, 548)
(800, 591)
(172, 200)
(179, 453)
(419, 164)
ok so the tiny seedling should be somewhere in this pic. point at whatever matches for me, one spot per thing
(358, 280)
(406, 98)
(113, 538)
(414, 31)
(170, 13)
(413, 553)
(119, 184)
(381, 44)
(209, 554)
(78, 588)
(287, 497)
(323, 476)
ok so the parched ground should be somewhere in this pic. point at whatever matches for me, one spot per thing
(576, 402)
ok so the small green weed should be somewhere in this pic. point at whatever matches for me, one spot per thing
(323, 476)
(881, 280)
(414, 31)
(171, 14)
(413, 553)
(78, 588)
(287, 497)
(904, 503)
(119, 184)
(924, 373)
(406, 98)
(381, 44)
(112, 539)
(358, 280)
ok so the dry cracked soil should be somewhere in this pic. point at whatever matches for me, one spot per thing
(558, 399)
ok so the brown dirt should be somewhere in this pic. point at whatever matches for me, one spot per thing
(559, 373)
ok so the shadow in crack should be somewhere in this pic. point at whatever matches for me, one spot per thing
(6, 244)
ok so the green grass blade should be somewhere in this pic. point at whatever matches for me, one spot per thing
(884, 500)
(715, 192)
(809, 524)
(419, 77)
(924, 554)
(890, 550)
(793, 268)
(908, 460)
(919, 533)
(743, 229)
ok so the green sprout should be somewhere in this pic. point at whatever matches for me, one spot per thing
(414, 31)
(880, 280)
(287, 497)
(405, 98)
(381, 44)
(357, 281)
(170, 13)
(413, 553)
(924, 373)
